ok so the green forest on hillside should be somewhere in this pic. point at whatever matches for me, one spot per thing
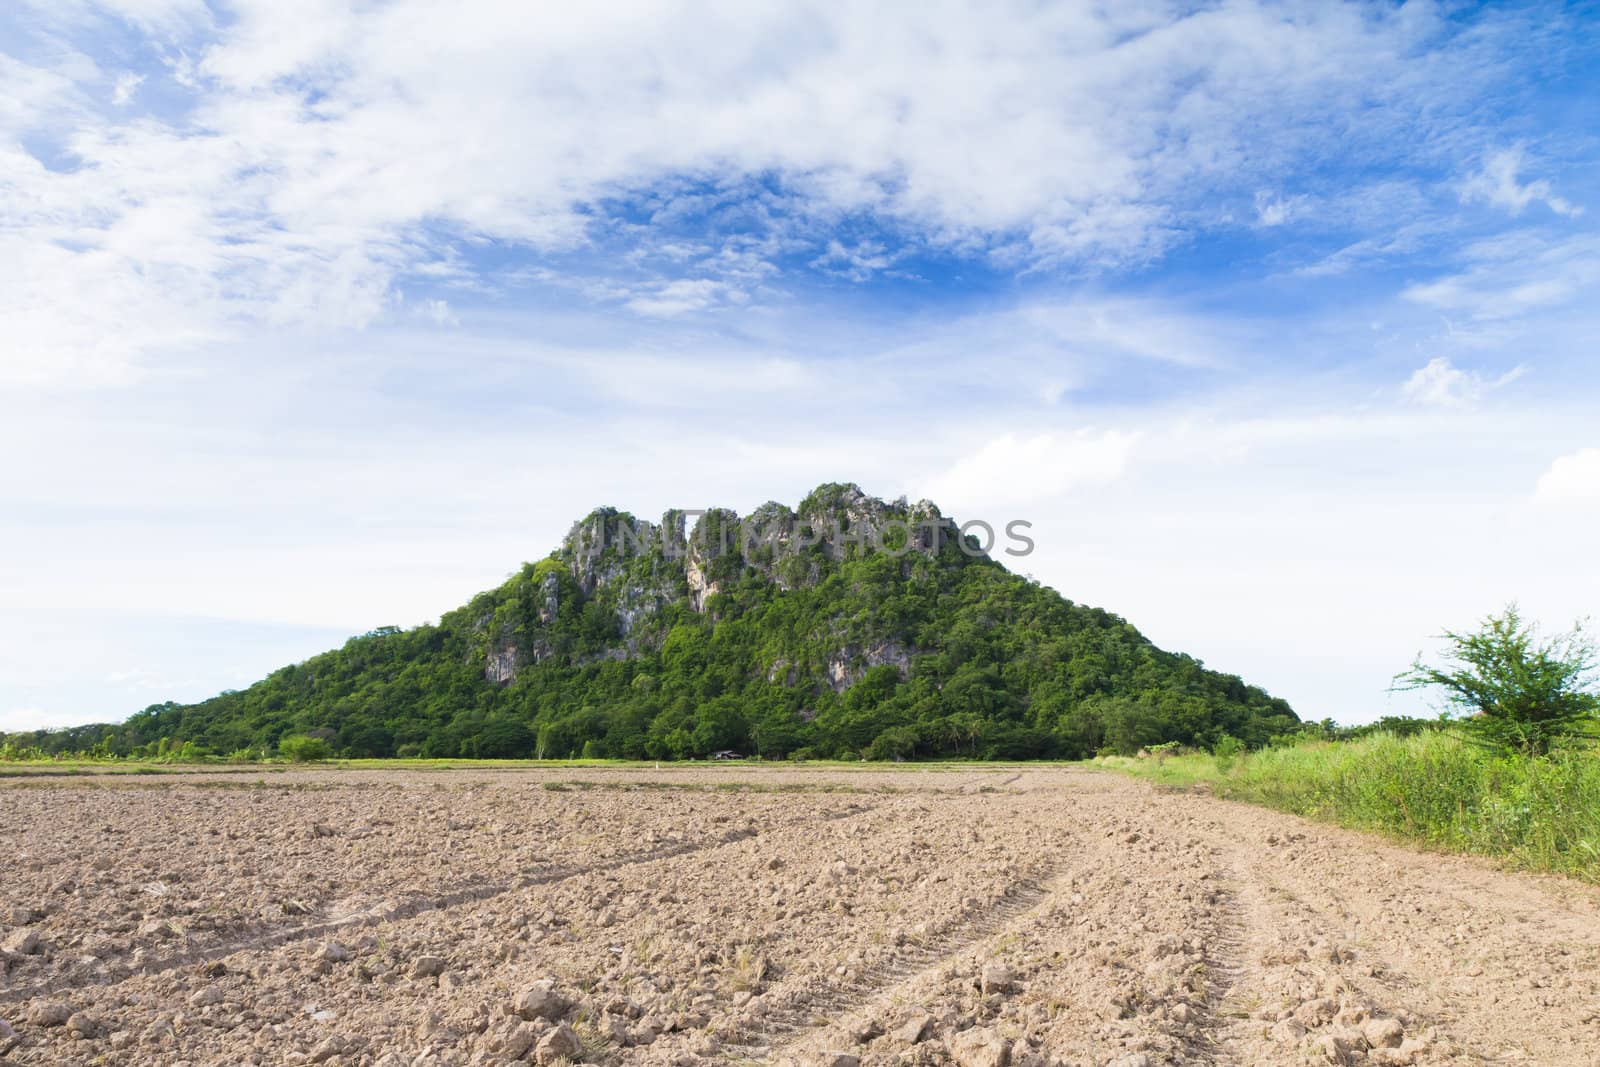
(802, 649)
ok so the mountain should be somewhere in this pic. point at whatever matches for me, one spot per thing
(847, 626)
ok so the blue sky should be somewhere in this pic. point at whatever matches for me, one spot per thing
(1277, 320)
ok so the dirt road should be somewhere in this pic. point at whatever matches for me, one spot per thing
(986, 917)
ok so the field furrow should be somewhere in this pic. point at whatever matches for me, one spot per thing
(1047, 917)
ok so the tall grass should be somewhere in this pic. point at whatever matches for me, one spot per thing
(1538, 813)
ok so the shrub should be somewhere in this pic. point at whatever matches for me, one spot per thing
(188, 752)
(302, 749)
(1227, 752)
(13, 752)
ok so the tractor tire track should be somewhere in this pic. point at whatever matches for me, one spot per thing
(820, 1002)
(1227, 939)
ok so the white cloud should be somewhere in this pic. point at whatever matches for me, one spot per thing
(1273, 210)
(73, 318)
(1441, 384)
(1021, 469)
(1515, 275)
(332, 154)
(686, 381)
(1123, 328)
(680, 297)
(437, 312)
(1573, 478)
(1395, 241)
(857, 262)
(155, 16)
(29, 96)
(1496, 184)
(126, 86)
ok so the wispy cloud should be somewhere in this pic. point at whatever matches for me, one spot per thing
(1273, 209)
(1496, 184)
(124, 89)
(681, 297)
(1441, 384)
(1515, 274)
(858, 261)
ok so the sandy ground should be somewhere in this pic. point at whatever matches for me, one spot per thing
(994, 918)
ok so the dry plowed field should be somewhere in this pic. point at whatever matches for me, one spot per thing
(998, 917)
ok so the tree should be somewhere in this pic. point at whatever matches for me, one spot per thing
(1515, 689)
(1132, 723)
(505, 739)
(777, 733)
(895, 743)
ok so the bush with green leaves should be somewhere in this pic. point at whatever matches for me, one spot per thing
(1227, 752)
(1511, 688)
(299, 748)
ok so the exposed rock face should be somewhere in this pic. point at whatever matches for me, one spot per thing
(549, 591)
(619, 572)
(502, 663)
(597, 546)
(700, 587)
(715, 547)
(850, 663)
(638, 605)
(506, 658)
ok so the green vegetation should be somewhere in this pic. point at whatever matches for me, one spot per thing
(299, 748)
(71, 744)
(1515, 691)
(815, 646)
(1509, 769)
(1434, 787)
